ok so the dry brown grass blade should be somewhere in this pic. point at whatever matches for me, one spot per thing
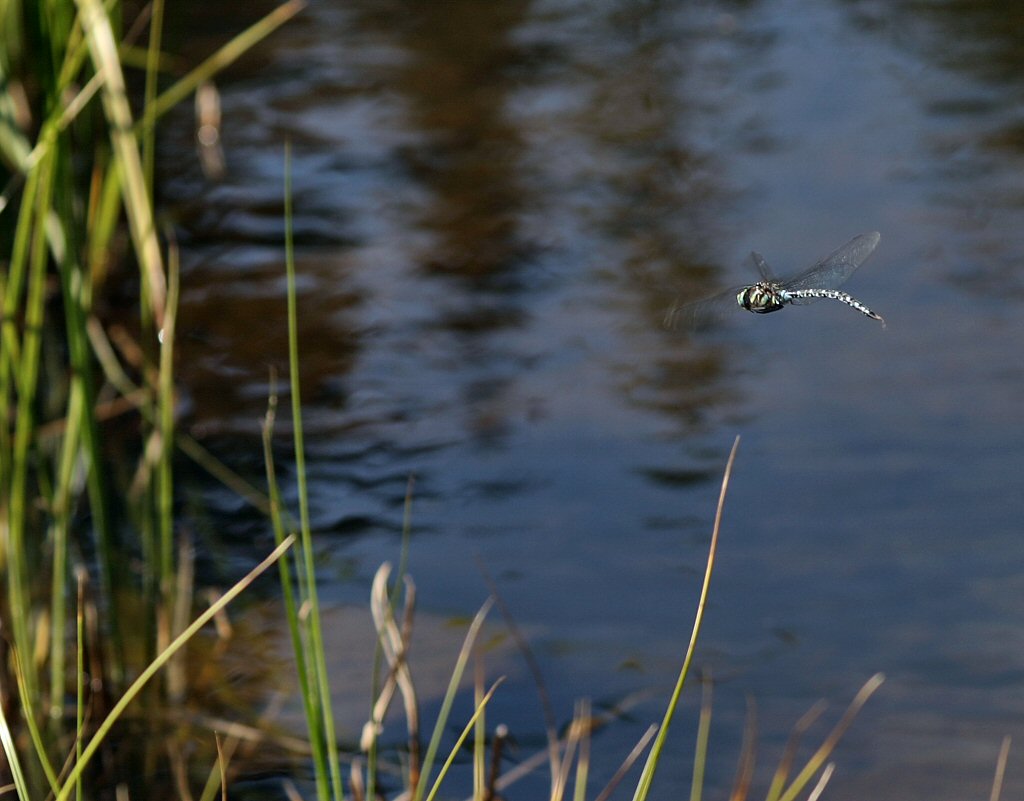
(357, 787)
(745, 768)
(819, 757)
(537, 759)
(583, 762)
(997, 782)
(789, 755)
(405, 684)
(547, 709)
(823, 780)
(500, 738)
(577, 732)
(394, 642)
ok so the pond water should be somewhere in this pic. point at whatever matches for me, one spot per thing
(497, 202)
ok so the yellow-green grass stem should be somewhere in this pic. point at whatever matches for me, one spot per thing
(700, 750)
(462, 738)
(292, 614)
(647, 776)
(318, 659)
(156, 27)
(27, 383)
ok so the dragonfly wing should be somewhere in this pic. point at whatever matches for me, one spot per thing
(689, 316)
(832, 271)
(762, 266)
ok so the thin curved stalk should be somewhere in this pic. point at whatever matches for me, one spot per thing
(643, 787)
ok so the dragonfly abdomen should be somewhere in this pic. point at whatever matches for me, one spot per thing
(832, 294)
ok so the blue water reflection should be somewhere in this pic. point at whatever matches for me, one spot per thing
(496, 205)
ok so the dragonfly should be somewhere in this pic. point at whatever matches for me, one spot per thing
(821, 280)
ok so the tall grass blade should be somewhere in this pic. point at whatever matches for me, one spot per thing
(306, 690)
(156, 28)
(370, 739)
(165, 427)
(317, 656)
(823, 780)
(26, 380)
(103, 50)
(60, 536)
(647, 777)
(222, 765)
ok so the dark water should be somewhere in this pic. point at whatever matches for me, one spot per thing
(495, 205)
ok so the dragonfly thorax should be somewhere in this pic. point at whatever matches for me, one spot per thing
(762, 297)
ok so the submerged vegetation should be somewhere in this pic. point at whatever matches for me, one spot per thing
(99, 607)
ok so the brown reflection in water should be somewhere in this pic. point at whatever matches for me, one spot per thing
(980, 37)
(974, 138)
(458, 79)
(656, 88)
(232, 340)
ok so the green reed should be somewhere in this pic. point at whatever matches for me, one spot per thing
(78, 170)
(307, 634)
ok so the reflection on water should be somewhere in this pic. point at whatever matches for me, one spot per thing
(496, 204)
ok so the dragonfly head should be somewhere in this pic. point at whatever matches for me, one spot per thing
(761, 298)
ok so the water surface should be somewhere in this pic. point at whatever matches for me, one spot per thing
(495, 205)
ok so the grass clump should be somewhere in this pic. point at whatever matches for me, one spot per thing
(76, 189)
